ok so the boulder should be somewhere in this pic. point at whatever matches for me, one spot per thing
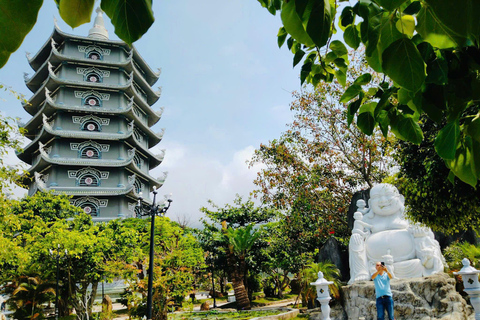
(205, 306)
(107, 304)
(433, 297)
(333, 251)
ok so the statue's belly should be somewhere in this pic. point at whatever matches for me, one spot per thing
(399, 242)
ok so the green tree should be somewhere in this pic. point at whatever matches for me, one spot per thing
(447, 206)
(131, 18)
(237, 216)
(36, 224)
(430, 51)
(27, 296)
(282, 255)
(313, 169)
(238, 242)
(177, 254)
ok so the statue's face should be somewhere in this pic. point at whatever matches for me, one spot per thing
(385, 200)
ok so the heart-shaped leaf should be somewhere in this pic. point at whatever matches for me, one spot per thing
(16, 20)
(131, 18)
(76, 12)
(403, 64)
(447, 140)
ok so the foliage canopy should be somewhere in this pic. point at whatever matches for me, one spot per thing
(131, 18)
(429, 49)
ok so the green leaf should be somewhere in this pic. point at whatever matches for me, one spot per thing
(447, 140)
(413, 8)
(307, 21)
(351, 37)
(281, 36)
(365, 120)
(338, 48)
(347, 17)
(463, 164)
(76, 12)
(388, 33)
(403, 64)
(383, 121)
(406, 25)
(476, 158)
(459, 15)
(404, 96)
(390, 5)
(320, 24)
(131, 18)
(374, 61)
(341, 64)
(363, 79)
(306, 68)
(298, 57)
(406, 128)
(16, 20)
(437, 70)
(435, 32)
(352, 110)
(341, 77)
(351, 92)
(373, 33)
(474, 128)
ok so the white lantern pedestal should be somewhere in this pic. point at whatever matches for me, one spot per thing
(471, 285)
(323, 294)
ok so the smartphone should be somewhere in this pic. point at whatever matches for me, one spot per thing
(382, 263)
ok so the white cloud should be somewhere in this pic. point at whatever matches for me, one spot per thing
(194, 179)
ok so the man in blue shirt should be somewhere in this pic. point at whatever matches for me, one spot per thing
(381, 279)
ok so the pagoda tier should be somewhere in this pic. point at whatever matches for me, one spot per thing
(91, 122)
(111, 51)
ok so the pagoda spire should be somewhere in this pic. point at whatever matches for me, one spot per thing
(98, 31)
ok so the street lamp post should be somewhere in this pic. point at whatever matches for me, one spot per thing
(151, 211)
(213, 281)
(56, 255)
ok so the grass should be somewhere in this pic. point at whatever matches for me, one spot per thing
(215, 315)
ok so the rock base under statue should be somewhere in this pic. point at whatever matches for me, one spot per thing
(429, 298)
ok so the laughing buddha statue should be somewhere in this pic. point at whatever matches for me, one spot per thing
(411, 250)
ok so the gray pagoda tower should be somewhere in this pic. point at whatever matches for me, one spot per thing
(90, 132)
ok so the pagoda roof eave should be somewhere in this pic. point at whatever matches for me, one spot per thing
(48, 132)
(52, 82)
(91, 191)
(45, 160)
(153, 116)
(59, 36)
(50, 107)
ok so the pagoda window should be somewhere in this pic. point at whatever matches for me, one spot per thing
(91, 125)
(90, 153)
(94, 55)
(138, 161)
(90, 208)
(88, 180)
(92, 101)
(93, 77)
(138, 135)
(137, 186)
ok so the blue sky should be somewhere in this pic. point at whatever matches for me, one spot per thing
(226, 88)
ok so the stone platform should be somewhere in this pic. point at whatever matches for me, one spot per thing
(429, 298)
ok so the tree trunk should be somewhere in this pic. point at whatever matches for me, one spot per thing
(91, 299)
(241, 296)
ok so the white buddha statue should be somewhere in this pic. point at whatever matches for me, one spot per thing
(412, 250)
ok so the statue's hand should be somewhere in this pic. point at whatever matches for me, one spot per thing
(418, 232)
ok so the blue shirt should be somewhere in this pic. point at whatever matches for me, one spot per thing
(382, 285)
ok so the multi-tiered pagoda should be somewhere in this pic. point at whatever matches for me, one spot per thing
(90, 132)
